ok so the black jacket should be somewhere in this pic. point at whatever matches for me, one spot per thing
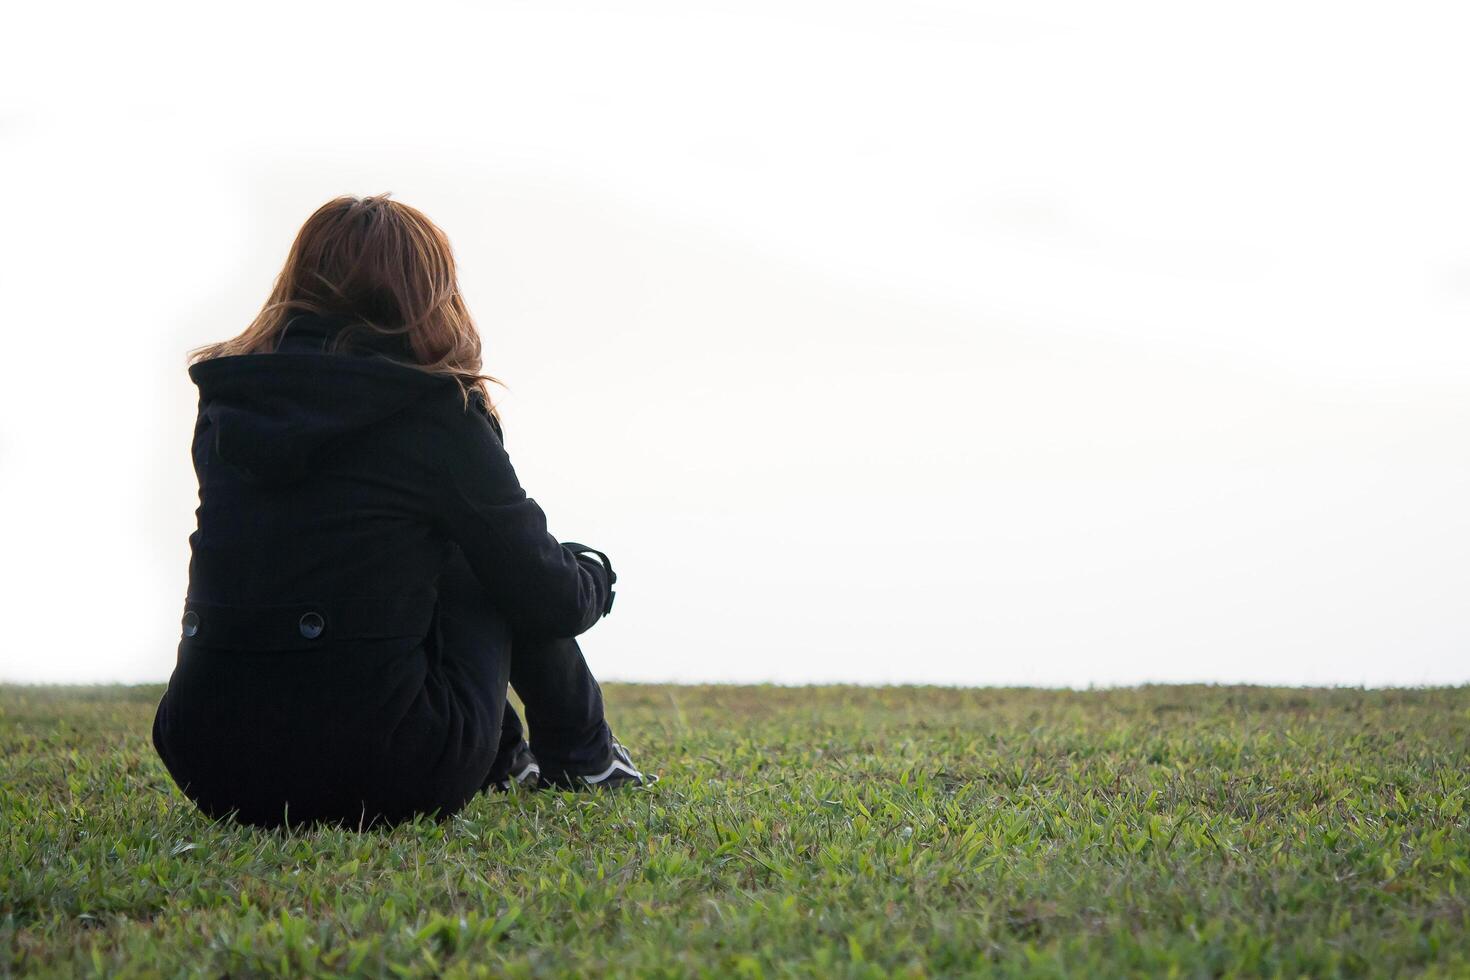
(332, 490)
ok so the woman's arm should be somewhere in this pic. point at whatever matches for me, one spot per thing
(537, 583)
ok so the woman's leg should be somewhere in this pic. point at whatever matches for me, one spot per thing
(563, 701)
(569, 734)
(512, 735)
(469, 653)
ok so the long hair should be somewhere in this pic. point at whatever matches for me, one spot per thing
(385, 267)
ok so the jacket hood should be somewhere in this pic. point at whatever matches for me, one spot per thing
(271, 413)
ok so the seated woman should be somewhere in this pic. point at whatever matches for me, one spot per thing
(367, 573)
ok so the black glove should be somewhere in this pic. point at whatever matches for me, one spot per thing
(579, 550)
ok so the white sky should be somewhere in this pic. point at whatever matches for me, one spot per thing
(1044, 343)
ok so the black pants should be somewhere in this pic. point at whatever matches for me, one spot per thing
(562, 699)
(372, 733)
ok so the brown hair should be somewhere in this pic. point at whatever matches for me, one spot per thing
(383, 266)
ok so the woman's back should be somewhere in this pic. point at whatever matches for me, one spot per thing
(314, 473)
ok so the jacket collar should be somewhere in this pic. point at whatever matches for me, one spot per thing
(270, 414)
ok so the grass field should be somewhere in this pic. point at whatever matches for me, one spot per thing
(1195, 831)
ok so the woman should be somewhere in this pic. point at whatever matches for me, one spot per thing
(367, 573)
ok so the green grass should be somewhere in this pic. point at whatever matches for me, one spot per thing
(1197, 831)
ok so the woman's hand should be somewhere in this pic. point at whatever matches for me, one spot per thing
(582, 552)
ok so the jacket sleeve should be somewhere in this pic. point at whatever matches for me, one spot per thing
(539, 584)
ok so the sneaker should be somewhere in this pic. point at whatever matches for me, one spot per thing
(620, 772)
(525, 771)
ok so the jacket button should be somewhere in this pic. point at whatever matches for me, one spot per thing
(311, 625)
(191, 623)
